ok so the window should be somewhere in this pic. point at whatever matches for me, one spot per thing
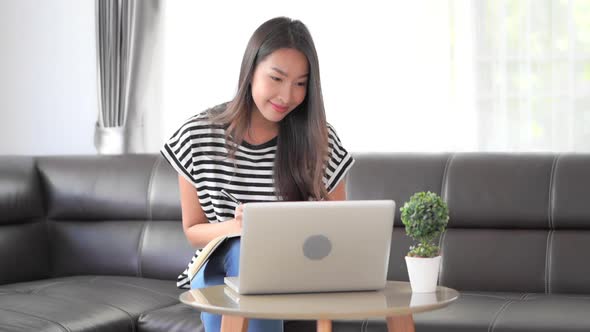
(420, 76)
(532, 64)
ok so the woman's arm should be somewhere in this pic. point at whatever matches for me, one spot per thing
(197, 228)
(339, 193)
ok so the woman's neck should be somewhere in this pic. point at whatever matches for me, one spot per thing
(260, 130)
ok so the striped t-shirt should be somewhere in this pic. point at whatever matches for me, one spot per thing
(198, 151)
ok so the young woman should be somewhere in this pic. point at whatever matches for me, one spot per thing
(271, 142)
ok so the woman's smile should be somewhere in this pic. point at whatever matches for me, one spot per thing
(279, 108)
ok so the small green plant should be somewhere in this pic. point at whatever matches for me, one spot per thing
(425, 216)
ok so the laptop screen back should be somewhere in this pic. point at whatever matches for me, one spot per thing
(289, 247)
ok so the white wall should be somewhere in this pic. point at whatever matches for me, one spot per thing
(381, 71)
(48, 100)
(385, 66)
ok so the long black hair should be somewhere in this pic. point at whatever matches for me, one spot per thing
(302, 145)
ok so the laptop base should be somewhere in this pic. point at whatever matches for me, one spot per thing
(233, 283)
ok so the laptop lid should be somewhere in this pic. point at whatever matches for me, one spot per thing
(315, 246)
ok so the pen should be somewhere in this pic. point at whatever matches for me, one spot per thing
(230, 196)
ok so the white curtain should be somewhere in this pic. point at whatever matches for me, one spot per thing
(530, 65)
(423, 76)
(129, 76)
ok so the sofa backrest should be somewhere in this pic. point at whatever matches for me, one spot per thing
(518, 222)
(113, 215)
(23, 233)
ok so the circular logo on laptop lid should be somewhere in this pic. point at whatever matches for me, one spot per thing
(317, 247)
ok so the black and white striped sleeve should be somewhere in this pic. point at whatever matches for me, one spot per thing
(178, 151)
(339, 161)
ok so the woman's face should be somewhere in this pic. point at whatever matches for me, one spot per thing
(279, 83)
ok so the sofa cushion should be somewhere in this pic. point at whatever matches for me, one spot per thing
(176, 318)
(11, 321)
(567, 273)
(494, 260)
(498, 191)
(23, 234)
(164, 196)
(569, 197)
(23, 252)
(92, 248)
(152, 249)
(71, 314)
(472, 312)
(97, 187)
(395, 176)
(21, 197)
(164, 250)
(400, 245)
(83, 302)
(545, 313)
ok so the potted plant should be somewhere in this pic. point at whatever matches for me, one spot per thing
(425, 216)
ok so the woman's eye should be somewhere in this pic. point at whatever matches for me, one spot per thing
(274, 78)
(301, 83)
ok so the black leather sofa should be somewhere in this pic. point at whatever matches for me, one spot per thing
(90, 243)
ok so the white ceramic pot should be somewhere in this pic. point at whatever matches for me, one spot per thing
(423, 273)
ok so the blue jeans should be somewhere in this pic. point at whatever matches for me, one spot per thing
(225, 262)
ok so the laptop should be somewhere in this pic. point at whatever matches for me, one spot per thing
(314, 246)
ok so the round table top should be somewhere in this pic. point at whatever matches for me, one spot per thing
(395, 300)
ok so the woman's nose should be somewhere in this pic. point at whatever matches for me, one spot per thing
(286, 93)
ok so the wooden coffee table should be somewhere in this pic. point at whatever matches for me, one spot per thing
(396, 302)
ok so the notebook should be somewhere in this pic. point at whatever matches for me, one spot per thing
(314, 246)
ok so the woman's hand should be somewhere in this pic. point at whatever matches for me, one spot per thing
(238, 216)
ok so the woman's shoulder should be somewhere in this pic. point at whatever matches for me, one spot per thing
(334, 141)
(332, 135)
(205, 119)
